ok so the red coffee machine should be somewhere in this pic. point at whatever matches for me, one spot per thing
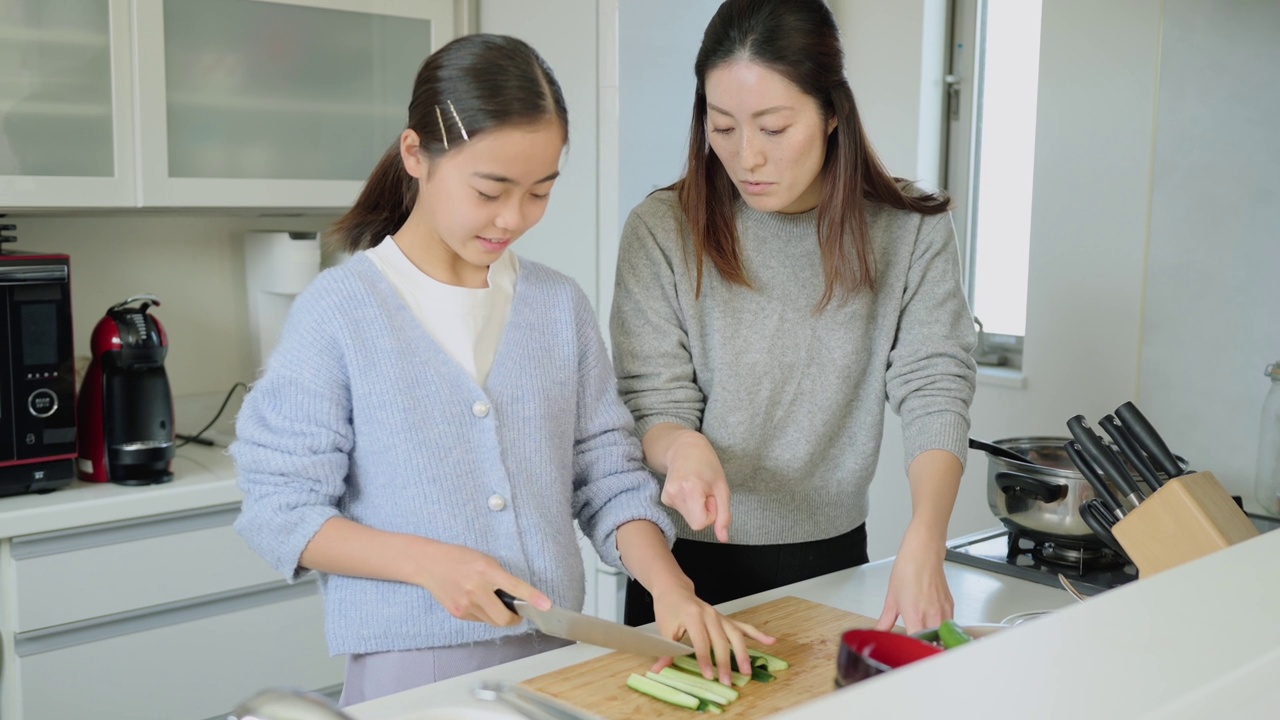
(125, 407)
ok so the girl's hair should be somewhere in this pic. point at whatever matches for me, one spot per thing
(474, 84)
(799, 40)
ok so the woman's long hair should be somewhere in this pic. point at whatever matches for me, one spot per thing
(799, 40)
(474, 84)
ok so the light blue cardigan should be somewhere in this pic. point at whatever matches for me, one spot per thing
(361, 414)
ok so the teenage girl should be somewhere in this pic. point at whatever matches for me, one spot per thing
(438, 413)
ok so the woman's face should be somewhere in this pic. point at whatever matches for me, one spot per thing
(480, 198)
(770, 136)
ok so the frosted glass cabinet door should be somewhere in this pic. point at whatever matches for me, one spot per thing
(65, 103)
(275, 102)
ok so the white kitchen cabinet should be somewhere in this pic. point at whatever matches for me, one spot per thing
(190, 103)
(163, 616)
(280, 103)
(66, 104)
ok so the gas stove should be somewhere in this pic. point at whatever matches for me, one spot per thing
(1090, 568)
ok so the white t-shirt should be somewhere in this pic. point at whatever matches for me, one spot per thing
(467, 322)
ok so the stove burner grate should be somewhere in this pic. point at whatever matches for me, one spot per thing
(1077, 556)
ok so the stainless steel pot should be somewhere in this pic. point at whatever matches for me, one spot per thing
(1042, 498)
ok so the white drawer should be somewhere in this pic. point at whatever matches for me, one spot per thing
(190, 670)
(86, 573)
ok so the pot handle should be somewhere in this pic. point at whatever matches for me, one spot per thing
(1012, 483)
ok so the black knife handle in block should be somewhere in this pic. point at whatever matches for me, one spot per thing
(1104, 457)
(1096, 481)
(1100, 520)
(1129, 448)
(507, 599)
(1148, 439)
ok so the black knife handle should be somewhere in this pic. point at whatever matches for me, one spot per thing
(1100, 520)
(1131, 452)
(1148, 439)
(507, 599)
(1096, 481)
(1104, 457)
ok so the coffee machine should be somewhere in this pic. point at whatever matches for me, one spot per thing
(126, 408)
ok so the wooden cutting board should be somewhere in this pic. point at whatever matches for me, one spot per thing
(808, 636)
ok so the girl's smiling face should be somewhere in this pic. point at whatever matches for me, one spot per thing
(478, 199)
(769, 135)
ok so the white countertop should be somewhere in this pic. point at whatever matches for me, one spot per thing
(979, 596)
(203, 477)
(1198, 641)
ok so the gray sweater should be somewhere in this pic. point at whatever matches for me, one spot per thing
(791, 398)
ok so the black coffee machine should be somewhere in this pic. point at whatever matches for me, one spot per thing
(126, 408)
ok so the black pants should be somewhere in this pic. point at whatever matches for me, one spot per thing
(724, 572)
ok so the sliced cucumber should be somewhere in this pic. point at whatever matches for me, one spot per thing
(663, 692)
(761, 675)
(772, 663)
(709, 708)
(695, 685)
(686, 662)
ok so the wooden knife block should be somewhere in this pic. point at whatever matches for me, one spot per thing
(1190, 517)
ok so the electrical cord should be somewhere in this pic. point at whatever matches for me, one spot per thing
(196, 438)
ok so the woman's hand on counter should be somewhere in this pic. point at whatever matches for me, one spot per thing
(918, 591)
(695, 484)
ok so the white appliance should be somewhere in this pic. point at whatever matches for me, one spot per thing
(278, 265)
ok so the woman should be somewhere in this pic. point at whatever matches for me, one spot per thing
(438, 413)
(769, 303)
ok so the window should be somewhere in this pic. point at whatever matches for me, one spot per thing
(990, 137)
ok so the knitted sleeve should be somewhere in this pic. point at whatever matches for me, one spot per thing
(293, 436)
(611, 485)
(931, 376)
(650, 341)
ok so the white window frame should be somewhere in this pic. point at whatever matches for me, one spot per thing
(962, 83)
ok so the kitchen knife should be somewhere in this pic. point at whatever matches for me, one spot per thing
(1095, 479)
(570, 625)
(1097, 450)
(1131, 452)
(1149, 440)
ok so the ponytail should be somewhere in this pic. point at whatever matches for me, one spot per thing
(383, 206)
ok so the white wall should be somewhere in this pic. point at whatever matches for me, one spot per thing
(1212, 281)
(565, 33)
(895, 58)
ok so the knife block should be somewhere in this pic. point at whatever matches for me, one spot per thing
(1189, 517)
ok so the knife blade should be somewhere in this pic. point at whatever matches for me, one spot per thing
(1105, 458)
(1095, 479)
(1149, 440)
(570, 625)
(1129, 448)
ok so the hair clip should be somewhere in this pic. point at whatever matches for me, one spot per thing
(458, 120)
(444, 135)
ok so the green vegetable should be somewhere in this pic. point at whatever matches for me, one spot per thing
(952, 635)
(687, 662)
(761, 675)
(695, 685)
(772, 664)
(665, 693)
